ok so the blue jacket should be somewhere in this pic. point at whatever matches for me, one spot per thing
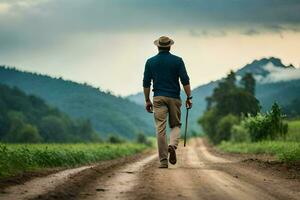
(165, 70)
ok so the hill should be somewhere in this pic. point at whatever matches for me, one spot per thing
(108, 114)
(27, 118)
(274, 82)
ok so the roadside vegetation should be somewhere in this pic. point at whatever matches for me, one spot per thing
(20, 158)
(233, 121)
(285, 148)
(284, 151)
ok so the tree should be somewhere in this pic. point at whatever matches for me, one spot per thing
(20, 131)
(277, 127)
(114, 139)
(53, 129)
(28, 134)
(266, 126)
(208, 122)
(293, 109)
(224, 108)
(24, 117)
(84, 131)
(142, 139)
(238, 102)
(248, 83)
(224, 126)
(231, 79)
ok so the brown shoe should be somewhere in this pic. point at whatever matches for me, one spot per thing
(172, 157)
(163, 165)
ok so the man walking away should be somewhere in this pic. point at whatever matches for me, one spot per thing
(165, 70)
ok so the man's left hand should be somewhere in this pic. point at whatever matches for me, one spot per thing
(188, 103)
(149, 106)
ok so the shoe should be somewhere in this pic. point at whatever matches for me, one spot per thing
(163, 165)
(172, 157)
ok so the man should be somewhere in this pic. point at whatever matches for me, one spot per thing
(165, 70)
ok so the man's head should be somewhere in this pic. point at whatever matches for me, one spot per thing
(164, 43)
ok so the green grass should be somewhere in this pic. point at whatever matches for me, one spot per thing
(19, 158)
(293, 131)
(283, 150)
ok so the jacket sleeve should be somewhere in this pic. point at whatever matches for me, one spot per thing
(147, 76)
(184, 78)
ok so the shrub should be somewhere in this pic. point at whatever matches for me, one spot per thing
(224, 127)
(142, 139)
(114, 139)
(208, 122)
(239, 134)
(268, 126)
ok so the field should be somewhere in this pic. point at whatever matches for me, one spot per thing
(19, 158)
(285, 150)
(294, 131)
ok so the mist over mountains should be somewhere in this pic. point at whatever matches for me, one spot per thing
(274, 82)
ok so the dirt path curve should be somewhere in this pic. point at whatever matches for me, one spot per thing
(199, 174)
(202, 175)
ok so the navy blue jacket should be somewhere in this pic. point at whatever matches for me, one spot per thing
(165, 70)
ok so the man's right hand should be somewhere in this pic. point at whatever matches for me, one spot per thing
(149, 106)
(188, 103)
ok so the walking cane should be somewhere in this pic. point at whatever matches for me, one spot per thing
(186, 125)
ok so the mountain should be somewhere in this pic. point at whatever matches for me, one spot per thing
(274, 82)
(137, 98)
(108, 114)
(27, 118)
(261, 68)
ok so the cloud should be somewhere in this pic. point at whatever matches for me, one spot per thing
(4, 7)
(205, 33)
(61, 35)
(278, 74)
(251, 32)
(32, 23)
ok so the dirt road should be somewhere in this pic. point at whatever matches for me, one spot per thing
(199, 174)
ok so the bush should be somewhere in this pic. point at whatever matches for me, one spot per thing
(224, 127)
(114, 139)
(208, 122)
(142, 139)
(268, 126)
(29, 134)
(239, 134)
(258, 127)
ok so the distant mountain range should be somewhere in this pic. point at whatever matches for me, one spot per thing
(274, 82)
(108, 114)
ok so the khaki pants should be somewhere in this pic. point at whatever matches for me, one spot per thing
(164, 107)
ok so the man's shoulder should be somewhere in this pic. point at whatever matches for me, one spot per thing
(152, 58)
(155, 57)
(175, 57)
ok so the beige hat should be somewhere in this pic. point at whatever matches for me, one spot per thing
(164, 41)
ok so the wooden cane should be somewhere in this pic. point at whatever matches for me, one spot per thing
(186, 125)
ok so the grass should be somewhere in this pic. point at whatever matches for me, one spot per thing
(284, 150)
(20, 158)
(293, 131)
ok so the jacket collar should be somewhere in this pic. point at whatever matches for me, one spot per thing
(163, 52)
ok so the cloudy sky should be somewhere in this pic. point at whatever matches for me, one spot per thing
(106, 42)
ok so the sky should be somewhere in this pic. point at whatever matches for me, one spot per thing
(105, 43)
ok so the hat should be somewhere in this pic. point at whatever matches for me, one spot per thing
(164, 41)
